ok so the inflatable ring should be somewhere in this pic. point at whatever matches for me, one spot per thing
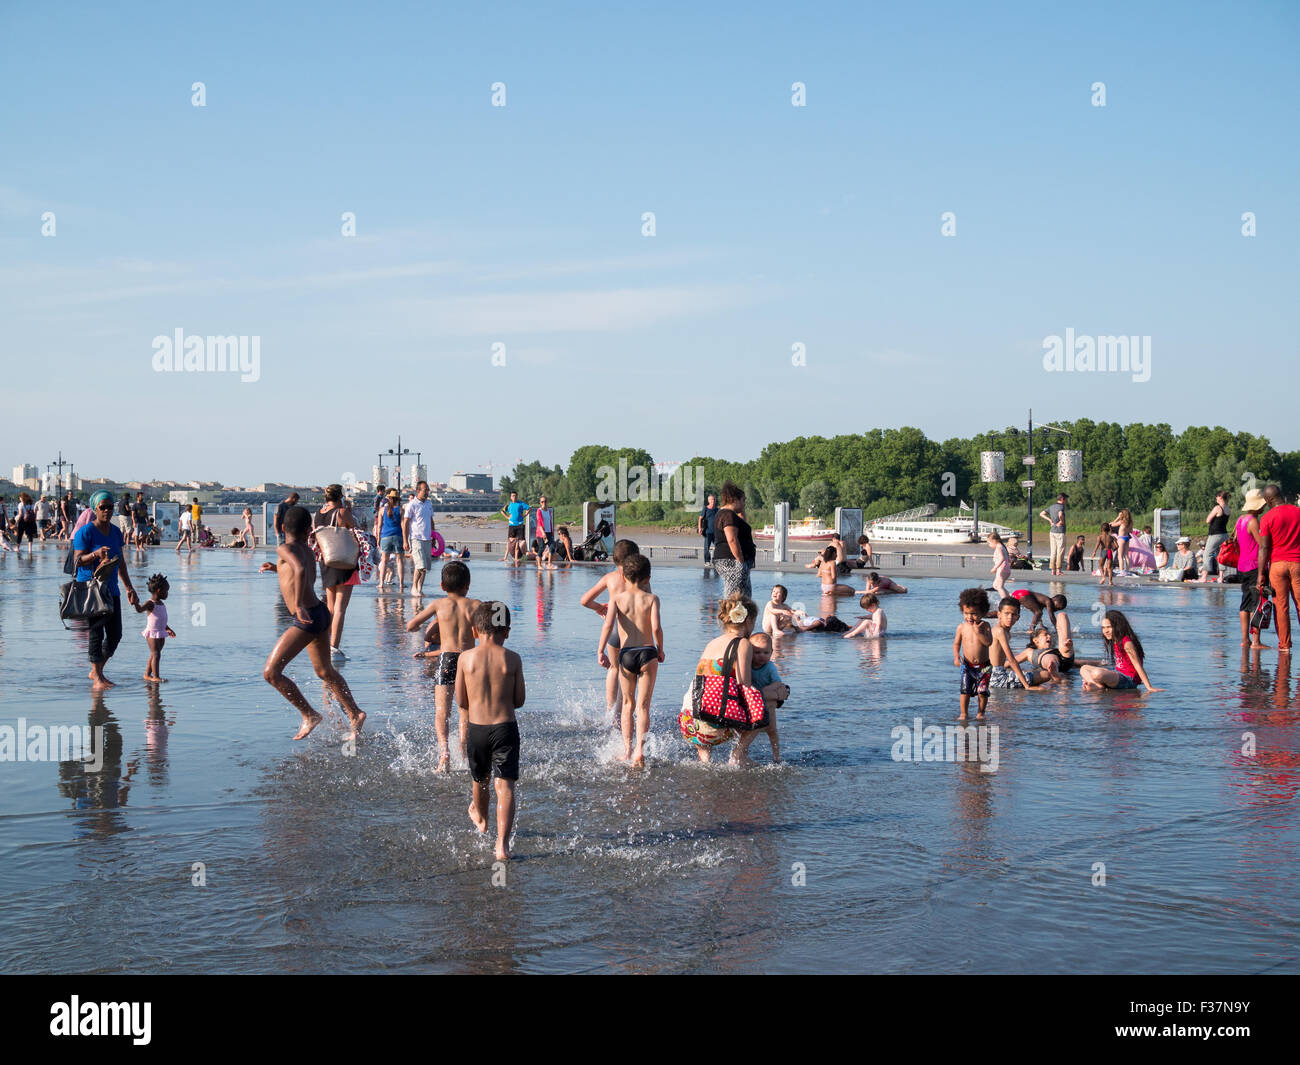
(439, 545)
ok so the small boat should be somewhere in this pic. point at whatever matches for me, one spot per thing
(805, 529)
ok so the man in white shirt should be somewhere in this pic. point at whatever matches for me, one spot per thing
(417, 534)
(186, 527)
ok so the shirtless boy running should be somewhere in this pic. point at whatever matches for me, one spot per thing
(296, 569)
(641, 639)
(489, 689)
(612, 583)
(454, 620)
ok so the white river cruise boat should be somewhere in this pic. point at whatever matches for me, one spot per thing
(804, 529)
(920, 526)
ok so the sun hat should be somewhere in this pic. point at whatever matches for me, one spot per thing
(1184, 540)
(1254, 501)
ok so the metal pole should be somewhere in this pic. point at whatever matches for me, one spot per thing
(1029, 503)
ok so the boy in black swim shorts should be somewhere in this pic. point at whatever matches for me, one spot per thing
(296, 567)
(453, 630)
(489, 689)
(635, 609)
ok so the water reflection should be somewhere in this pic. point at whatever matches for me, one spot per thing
(99, 793)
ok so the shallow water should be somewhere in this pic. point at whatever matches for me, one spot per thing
(316, 861)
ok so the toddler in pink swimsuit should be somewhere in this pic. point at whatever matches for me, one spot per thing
(156, 629)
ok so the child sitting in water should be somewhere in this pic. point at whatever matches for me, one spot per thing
(1043, 659)
(1125, 658)
(970, 649)
(1007, 673)
(156, 630)
(767, 680)
(782, 620)
(635, 609)
(873, 624)
(489, 689)
(828, 569)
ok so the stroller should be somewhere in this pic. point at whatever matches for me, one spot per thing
(592, 549)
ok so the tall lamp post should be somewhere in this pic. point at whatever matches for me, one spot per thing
(1029, 483)
(397, 454)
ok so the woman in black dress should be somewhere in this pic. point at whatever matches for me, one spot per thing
(733, 549)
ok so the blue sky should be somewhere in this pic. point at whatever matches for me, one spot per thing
(775, 225)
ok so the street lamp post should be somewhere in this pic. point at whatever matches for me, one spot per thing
(1030, 461)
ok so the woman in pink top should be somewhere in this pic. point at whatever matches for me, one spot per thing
(1249, 538)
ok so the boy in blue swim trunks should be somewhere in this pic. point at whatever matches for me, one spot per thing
(310, 628)
(641, 648)
(453, 629)
(970, 649)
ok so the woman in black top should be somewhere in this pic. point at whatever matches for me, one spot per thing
(338, 583)
(1217, 520)
(733, 550)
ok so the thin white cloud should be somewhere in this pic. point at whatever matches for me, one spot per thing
(510, 314)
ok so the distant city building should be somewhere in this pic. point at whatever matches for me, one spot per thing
(471, 482)
(380, 475)
(27, 473)
(418, 473)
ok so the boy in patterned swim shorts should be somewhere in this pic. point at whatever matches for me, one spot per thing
(970, 649)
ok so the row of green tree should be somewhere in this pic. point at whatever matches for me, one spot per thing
(1137, 466)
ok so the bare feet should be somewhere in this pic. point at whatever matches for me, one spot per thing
(358, 722)
(155, 680)
(639, 761)
(98, 682)
(623, 756)
(502, 855)
(309, 721)
(443, 763)
(479, 821)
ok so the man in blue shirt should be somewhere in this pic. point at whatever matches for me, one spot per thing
(517, 515)
(94, 544)
(707, 517)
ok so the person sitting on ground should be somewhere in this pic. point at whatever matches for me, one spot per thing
(1182, 566)
(878, 585)
(864, 553)
(1075, 561)
(563, 544)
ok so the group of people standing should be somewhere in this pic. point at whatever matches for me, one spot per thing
(42, 519)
